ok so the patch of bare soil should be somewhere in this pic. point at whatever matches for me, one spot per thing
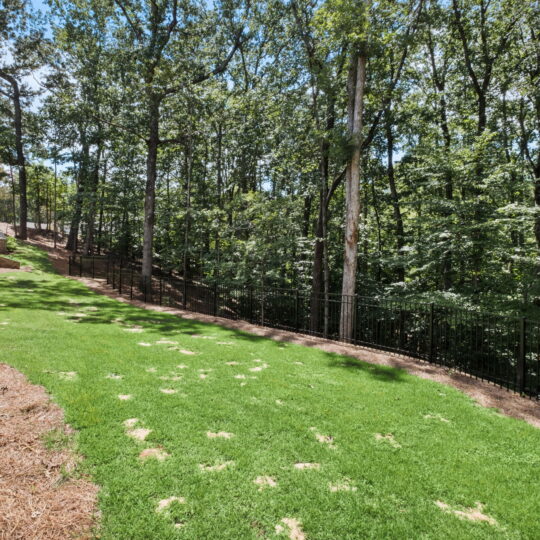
(484, 393)
(42, 495)
(474, 513)
(292, 527)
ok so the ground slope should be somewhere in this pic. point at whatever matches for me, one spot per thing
(196, 431)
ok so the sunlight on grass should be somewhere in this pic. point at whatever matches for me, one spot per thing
(256, 438)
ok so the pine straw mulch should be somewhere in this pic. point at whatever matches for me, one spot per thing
(42, 494)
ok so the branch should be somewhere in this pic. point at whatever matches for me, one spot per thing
(135, 27)
(222, 66)
(174, 140)
(466, 51)
(335, 184)
(9, 78)
(411, 29)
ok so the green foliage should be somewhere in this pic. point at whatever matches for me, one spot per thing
(240, 180)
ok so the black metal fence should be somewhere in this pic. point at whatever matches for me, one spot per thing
(503, 350)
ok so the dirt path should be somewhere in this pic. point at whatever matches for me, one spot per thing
(41, 494)
(484, 393)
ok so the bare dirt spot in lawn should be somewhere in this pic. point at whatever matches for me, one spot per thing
(216, 468)
(42, 494)
(232, 363)
(166, 342)
(114, 376)
(134, 329)
(342, 485)
(154, 453)
(324, 439)
(436, 417)
(67, 375)
(258, 368)
(182, 366)
(165, 503)
(181, 351)
(306, 466)
(124, 397)
(265, 481)
(144, 344)
(279, 402)
(388, 438)
(170, 378)
(168, 390)
(240, 376)
(139, 433)
(474, 513)
(219, 434)
(151, 370)
(292, 527)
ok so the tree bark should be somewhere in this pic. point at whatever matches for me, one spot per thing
(73, 237)
(356, 84)
(92, 203)
(150, 191)
(398, 218)
(19, 148)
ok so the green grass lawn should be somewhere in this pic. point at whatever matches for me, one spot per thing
(388, 445)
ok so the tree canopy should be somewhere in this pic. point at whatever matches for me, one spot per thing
(386, 148)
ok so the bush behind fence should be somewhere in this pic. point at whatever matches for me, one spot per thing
(503, 350)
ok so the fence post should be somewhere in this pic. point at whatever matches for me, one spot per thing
(184, 295)
(296, 318)
(120, 279)
(160, 288)
(431, 333)
(108, 262)
(113, 265)
(521, 363)
(80, 266)
(354, 308)
(145, 287)
(215, 299)
(131, 284)
(250, 294)
(262, 306)
(93, 267)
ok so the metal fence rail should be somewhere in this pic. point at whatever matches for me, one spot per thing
(503, 350)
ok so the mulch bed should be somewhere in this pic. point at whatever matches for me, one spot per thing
(42, 494)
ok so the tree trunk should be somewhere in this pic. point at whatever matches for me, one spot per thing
(92, 204)
(73, 237)
(188, 167)
(398, 219)
(21, 161)
(150, 192)
(320, 277)
(356, 83)
(14, 205)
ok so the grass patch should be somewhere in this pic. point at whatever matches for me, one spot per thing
(28, 255)
(316, 441)
(56, 439)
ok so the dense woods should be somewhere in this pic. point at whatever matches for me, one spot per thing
(386, 148)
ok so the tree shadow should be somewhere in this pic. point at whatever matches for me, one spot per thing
(381, 373)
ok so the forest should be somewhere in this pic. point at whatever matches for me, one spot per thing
(388, 148)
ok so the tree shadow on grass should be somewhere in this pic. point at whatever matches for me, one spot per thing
(381, 373)
(55, 295)
(24, 293)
